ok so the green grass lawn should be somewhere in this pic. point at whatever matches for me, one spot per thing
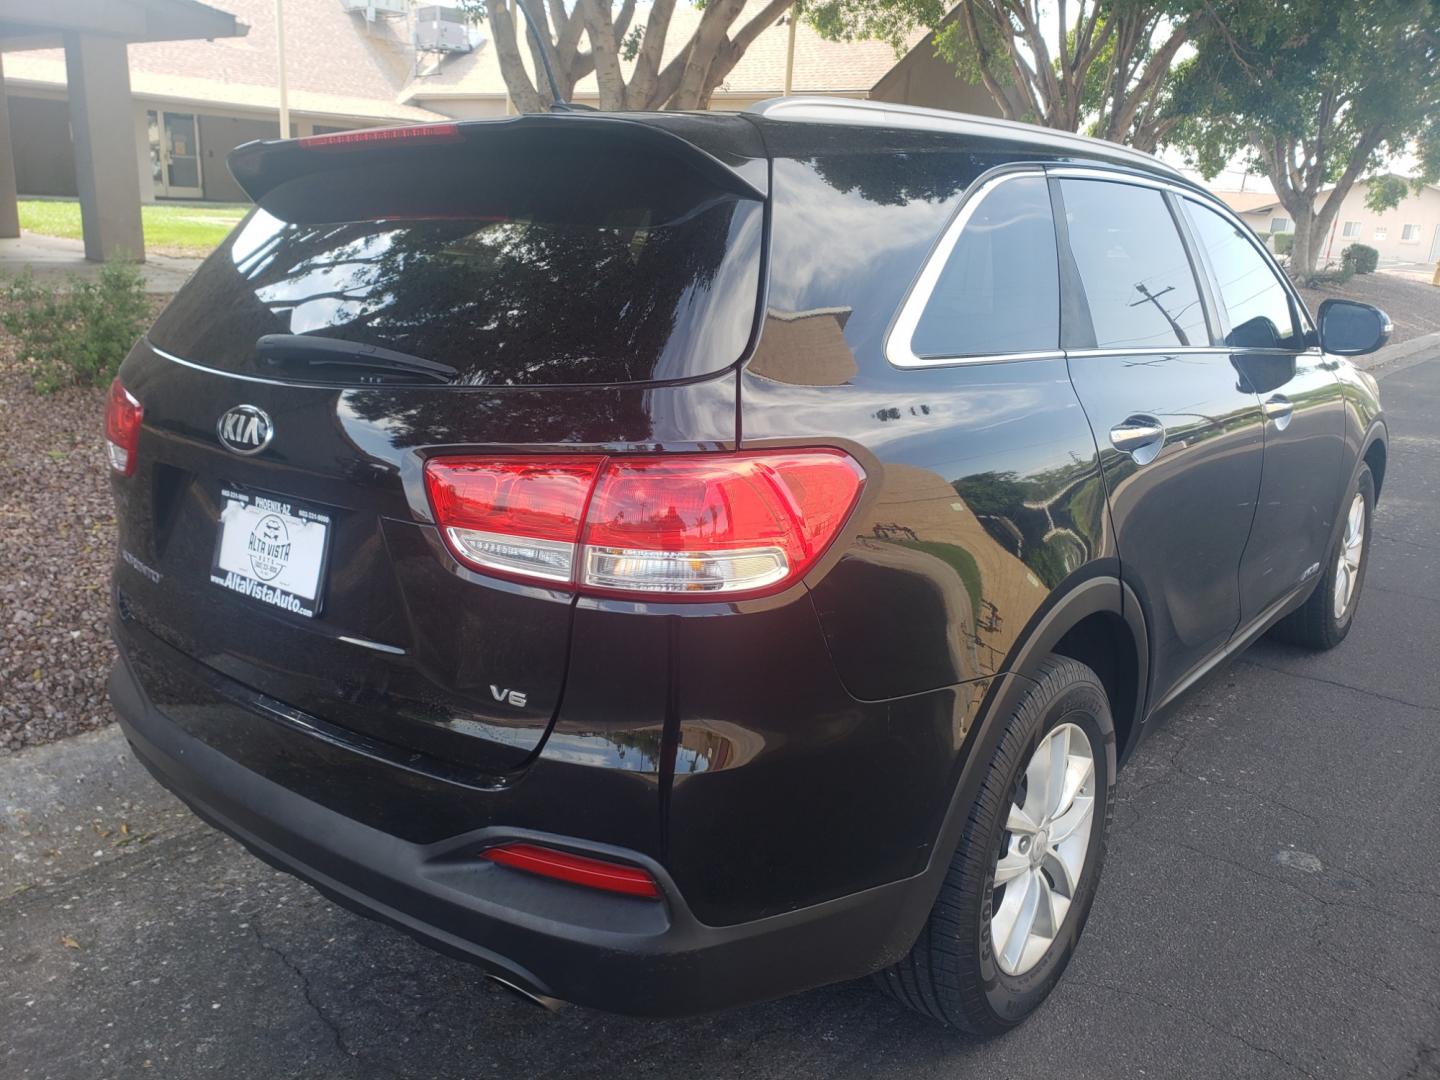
(170, 228)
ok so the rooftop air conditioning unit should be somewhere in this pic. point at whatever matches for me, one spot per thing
(372, 8)
(441, 29)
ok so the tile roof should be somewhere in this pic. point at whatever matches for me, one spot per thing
(336, 63)
(340, 65)
(821, 66)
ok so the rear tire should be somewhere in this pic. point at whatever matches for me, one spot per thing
(1324, 620)
(955, 973)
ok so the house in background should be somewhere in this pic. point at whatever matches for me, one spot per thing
(1409, 233)
(366, 63)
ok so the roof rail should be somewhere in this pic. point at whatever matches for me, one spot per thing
(814, 109)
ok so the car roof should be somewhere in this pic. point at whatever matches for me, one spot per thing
(883, 114)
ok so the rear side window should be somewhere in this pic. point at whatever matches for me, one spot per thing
(1256, 304)
(1136, 275)
(999, 291)
(512, 272)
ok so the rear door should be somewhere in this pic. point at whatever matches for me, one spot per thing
(1304, 411)
(581, 287)
(1178, 428)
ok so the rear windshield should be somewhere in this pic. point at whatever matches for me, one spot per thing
(511, 279)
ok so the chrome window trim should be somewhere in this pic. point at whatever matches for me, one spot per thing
(901, 334)
(236, 374)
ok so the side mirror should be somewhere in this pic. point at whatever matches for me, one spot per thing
(1348, 328)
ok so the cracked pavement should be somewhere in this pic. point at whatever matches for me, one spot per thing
(1270, 908)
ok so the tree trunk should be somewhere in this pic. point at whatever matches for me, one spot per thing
(523, 94)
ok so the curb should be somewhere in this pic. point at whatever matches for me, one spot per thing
(1404, 350)
(76, 803)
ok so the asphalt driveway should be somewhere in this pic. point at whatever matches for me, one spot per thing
(1271, 908)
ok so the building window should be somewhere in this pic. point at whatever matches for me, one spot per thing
(1381, 232)
(1351, 230)
(1410, 234)
(1280, 224)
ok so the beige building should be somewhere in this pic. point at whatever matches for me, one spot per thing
(1410, 233)
(362, 63)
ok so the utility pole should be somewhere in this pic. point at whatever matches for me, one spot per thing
(280, 60)
(790, 51)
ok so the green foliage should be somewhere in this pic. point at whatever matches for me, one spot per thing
(1269, 74)
(1385, 192)
(1282, 242)
(1360, 258)
(890, 21)
(1332, 277)
(76, 333)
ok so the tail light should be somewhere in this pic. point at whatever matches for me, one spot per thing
(674, 526)
(576, 869)
(414, 133)
(123, 415)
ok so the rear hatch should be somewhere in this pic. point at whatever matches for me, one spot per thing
(542, 284)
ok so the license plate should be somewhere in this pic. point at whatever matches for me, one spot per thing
(271, 550)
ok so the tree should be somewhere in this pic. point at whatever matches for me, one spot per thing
(1315, 94)
(685, 81)
(1104, 65)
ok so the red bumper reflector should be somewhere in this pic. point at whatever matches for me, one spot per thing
(576, 869)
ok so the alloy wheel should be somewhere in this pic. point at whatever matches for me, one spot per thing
(1042, 854)
(1347, 566)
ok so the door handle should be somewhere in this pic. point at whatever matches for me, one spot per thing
(1279, 408)
(1142, 437)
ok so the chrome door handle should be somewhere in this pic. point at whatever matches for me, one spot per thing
(1142, 437)
(1279, 408)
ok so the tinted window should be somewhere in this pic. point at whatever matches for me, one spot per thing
(1137, 278)
(1257, 305)
(1000, 290)
(484, 269)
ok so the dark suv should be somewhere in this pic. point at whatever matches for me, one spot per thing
(678, 560)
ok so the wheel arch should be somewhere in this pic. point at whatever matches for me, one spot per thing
(1098, 622)
(1376, 455)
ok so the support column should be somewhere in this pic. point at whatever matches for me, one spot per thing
(107, 169)
(9, 209)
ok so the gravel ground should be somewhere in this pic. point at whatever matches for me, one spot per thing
(1413, 306)
(57, 533)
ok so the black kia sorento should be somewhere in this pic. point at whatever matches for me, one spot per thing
(678, 560)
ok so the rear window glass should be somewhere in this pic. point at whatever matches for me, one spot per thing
(508, 286)
(1000, 289)
(1137, 277)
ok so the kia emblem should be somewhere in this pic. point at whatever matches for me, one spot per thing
(245, 429)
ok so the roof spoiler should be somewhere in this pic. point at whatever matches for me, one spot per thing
(262, 166)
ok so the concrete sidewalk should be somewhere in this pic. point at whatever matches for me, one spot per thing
(51, 258)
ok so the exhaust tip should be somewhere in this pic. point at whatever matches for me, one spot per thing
(549, 1004)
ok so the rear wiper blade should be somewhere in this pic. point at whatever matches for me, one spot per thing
(307, 350)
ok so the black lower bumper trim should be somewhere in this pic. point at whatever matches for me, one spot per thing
(548, 939)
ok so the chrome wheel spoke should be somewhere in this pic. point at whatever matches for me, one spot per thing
(1076, 816)
(1010, 867)
(1011, 925)
(1347, 564)
(1021, 822)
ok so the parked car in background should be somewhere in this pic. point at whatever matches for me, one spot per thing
(679, 560)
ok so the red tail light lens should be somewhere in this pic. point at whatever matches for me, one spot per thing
(678, 526)
(515, 515)
(123, 415)
(576, 869)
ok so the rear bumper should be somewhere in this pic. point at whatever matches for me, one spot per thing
(552, 940)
